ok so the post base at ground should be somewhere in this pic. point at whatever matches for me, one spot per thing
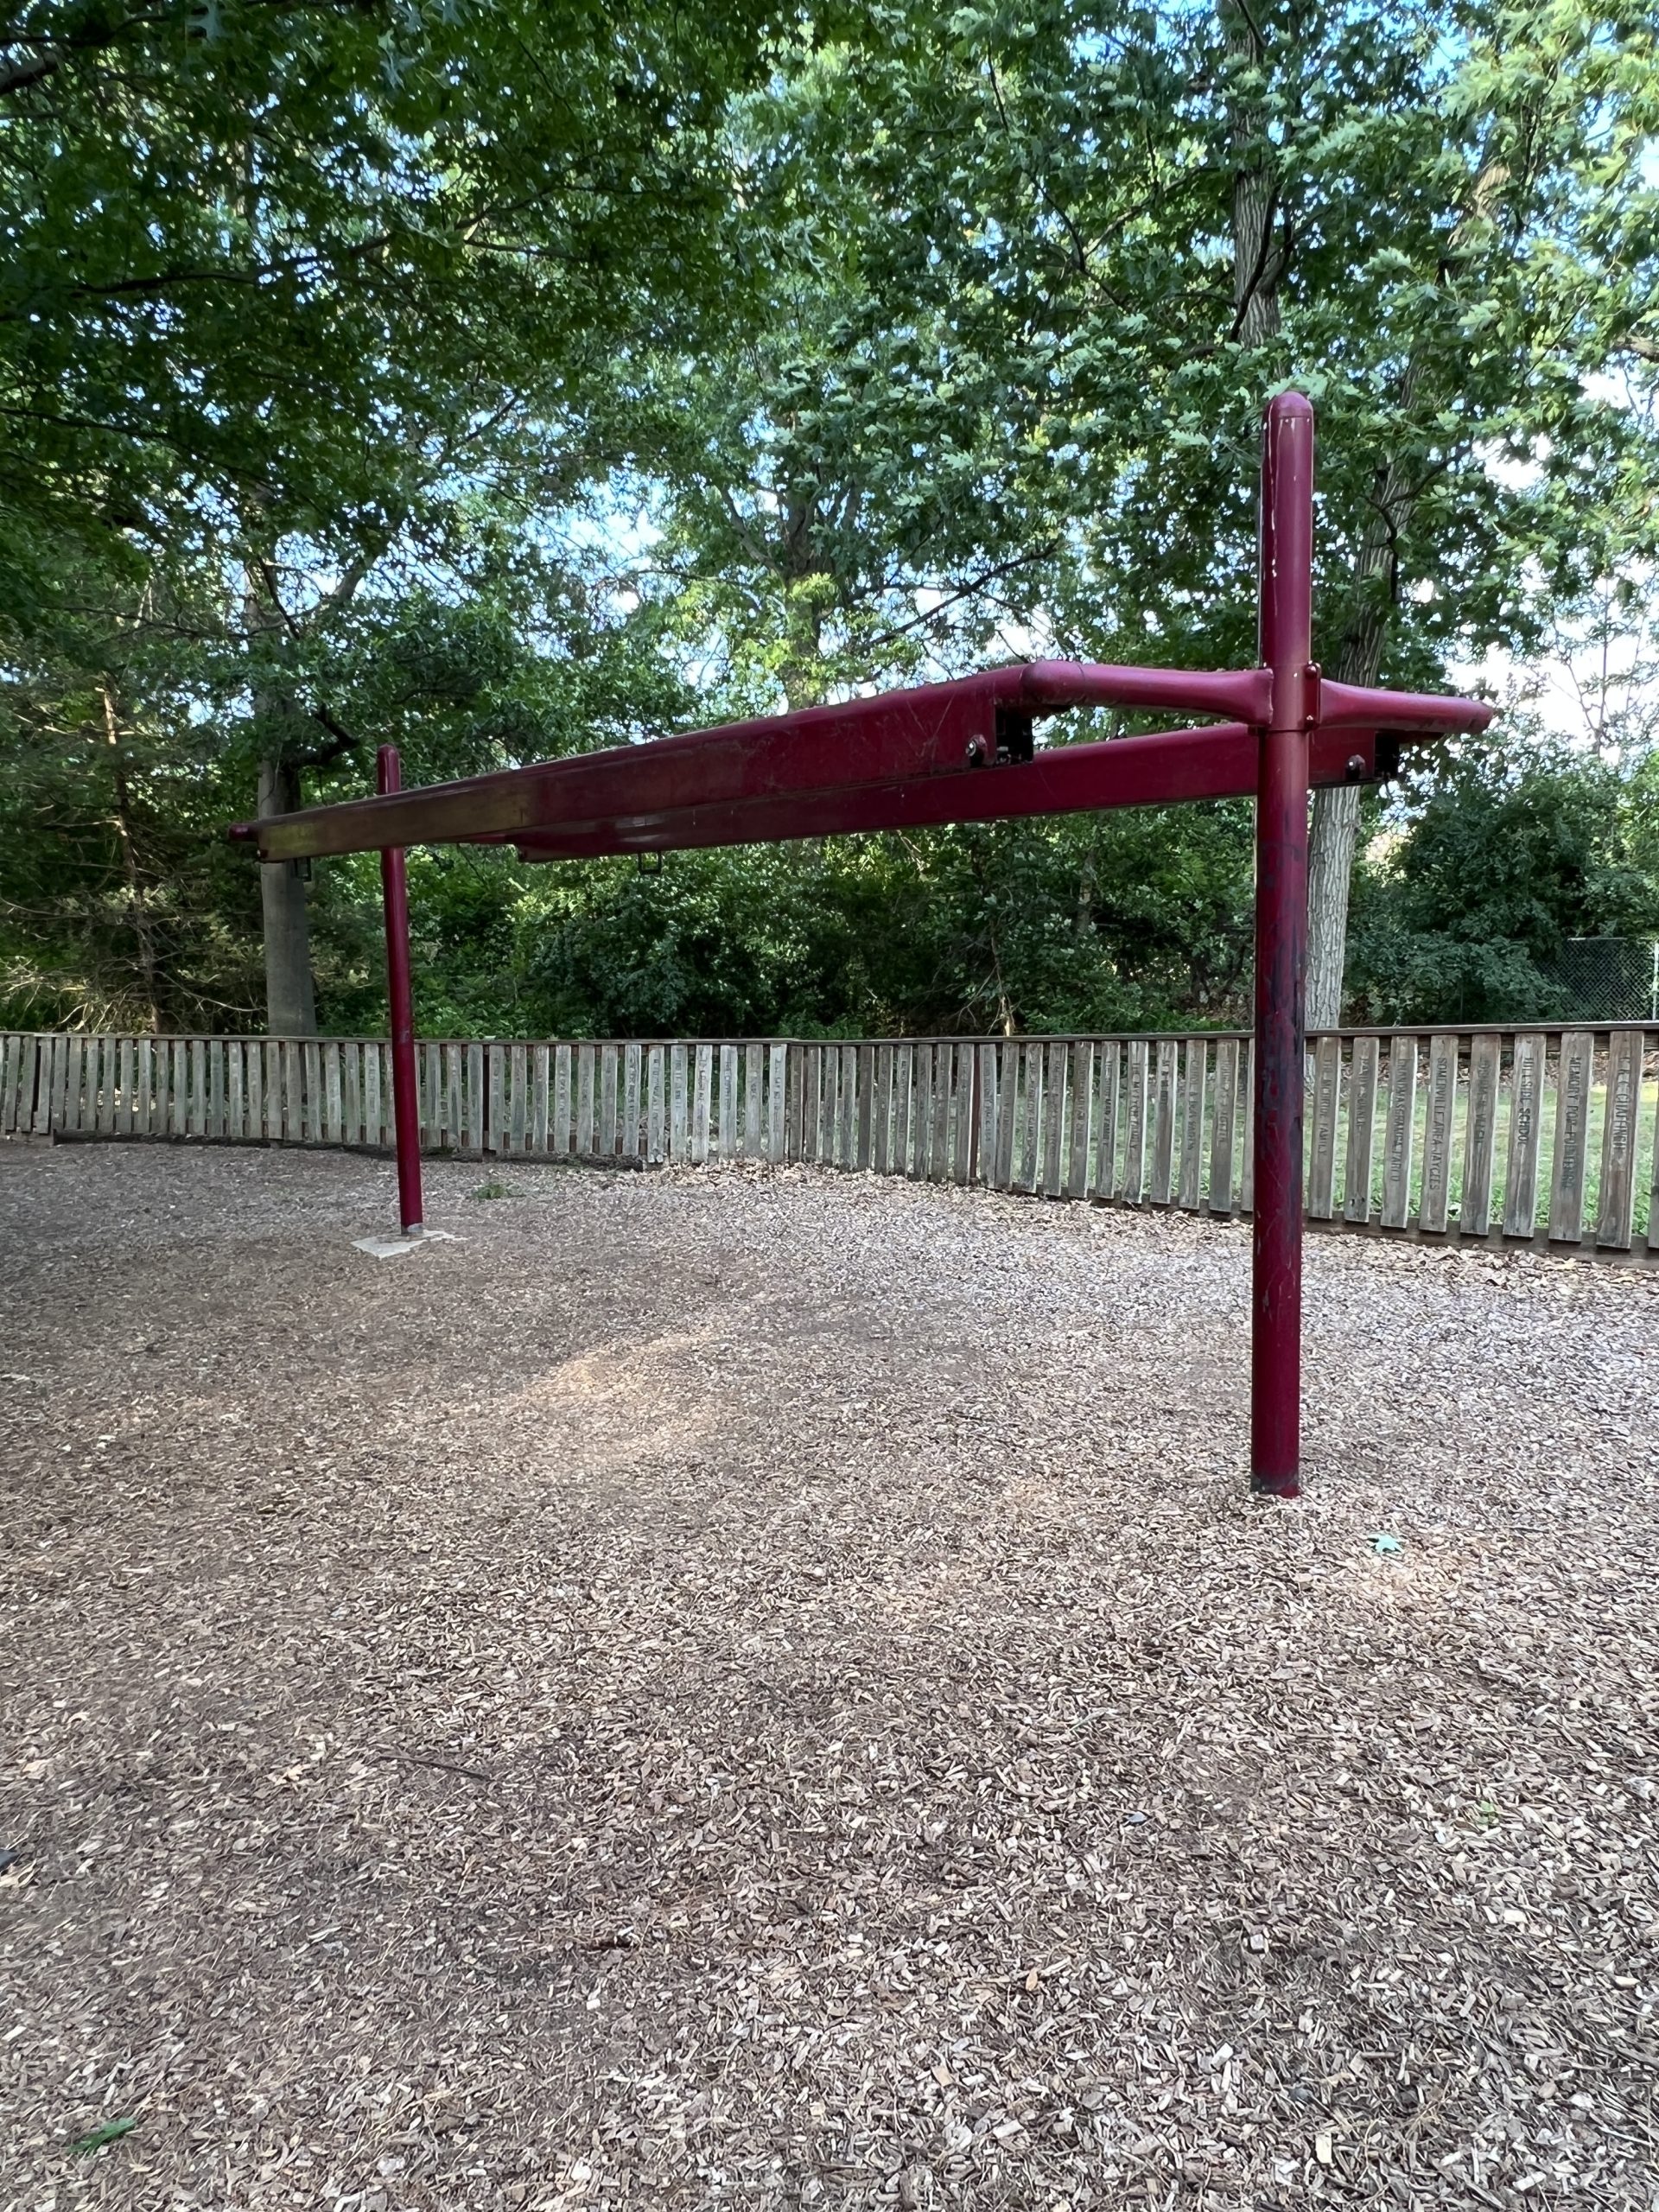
(1275, 1485)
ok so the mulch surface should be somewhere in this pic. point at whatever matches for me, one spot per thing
(763, 1688)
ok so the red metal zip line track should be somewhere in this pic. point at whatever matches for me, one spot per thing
(967, 738)
(1220, 762)
(964, 752)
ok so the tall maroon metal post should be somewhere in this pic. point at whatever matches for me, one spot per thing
(405, 1098)
(1287, 612)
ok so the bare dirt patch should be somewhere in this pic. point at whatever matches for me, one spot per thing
(763, 1688)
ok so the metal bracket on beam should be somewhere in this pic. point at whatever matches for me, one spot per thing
(1016, 739)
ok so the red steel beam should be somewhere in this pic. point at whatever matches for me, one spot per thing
(939, 729)
(1355, 706)
(1221, 762)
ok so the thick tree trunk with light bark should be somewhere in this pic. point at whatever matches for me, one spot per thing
(1332, 835)
(1258, 261)
(142, 937)
(1334, 830)
(290, 997)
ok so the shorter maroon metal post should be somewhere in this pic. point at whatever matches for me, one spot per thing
(1287, 609)
(405, 1098)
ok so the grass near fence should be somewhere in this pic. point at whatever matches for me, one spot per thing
(1500, 1168)
(1500, 1160)
(1648, 1116)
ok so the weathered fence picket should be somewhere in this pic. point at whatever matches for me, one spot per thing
(1526, 1134)
(1081, 1100)
(753, 1054)
(1053, 1118)
(1247, 1143)
(1008, 1111)
(540, 1074)
(495, 1118)
(1400, 1133)
(610, 1072)
(563, 1064)
(656, 1107)
(1572, 1137)
(1621, 1118)
(777, 1103)
(1135, 1134)
(700, 1103)
(1480, 1134)
(1437, 1132)
(475, 1096)
(585, 1086)
(1322, 1147)
(845, 1153)
(351, 1091)
(727, 1140)
(1106, 1183)
(940, 1157)
(632, 1061)
(1195, 1062)
(1163, 1121)
(1171, 1093)
(1223, 1123)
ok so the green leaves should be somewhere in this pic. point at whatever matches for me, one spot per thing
(498, 381)
(1512, 850)
(301, 307)
(275, 262)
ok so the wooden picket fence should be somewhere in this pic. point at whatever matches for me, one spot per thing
(1542, 1135)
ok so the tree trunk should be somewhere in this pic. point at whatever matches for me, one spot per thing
(1331, 837)
(1259, 263)
(1333, 832)
(290, 999)
(136, 913)
(809, 590)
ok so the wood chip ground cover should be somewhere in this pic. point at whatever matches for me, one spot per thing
(751, 1688)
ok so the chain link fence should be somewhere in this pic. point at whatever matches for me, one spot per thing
(1610, 978)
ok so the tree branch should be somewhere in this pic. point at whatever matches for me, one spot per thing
(1007, 567)
(324, 756)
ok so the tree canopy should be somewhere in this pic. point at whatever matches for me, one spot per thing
(505, 381)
